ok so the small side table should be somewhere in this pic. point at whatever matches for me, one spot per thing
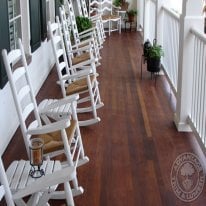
(131, 24)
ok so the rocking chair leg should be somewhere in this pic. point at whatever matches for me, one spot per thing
(141, 66)
(92, 99)
(69, 197)
(109, 27)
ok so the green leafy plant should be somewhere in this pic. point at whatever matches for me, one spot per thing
(83, 23)
(61, 2)
(117, 3)
(155, 52)
(132, 12)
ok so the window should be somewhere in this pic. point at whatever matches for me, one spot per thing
(14, 14)
(10, 22)
(50, 10)
(38, 21)
(4, 39)
(25, 19)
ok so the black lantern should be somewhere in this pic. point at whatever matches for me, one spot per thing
(36, 157)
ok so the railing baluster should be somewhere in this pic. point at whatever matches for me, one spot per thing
(193, 82)
(170, 43)
(204, 99)
(197, 85)
(197, 116)
(171, 46)
(200, 88)
(202, 91)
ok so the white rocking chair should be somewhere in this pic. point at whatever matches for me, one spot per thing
(96, 20)
(60, 137)
(79, 55)
(88, 34)
(109, 13)
(16, 183)
(72, 81)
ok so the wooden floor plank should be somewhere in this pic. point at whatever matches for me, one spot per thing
(133, 148)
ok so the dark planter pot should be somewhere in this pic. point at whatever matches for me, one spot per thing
(131, 18)
(147, 46)
(153, 65)
(205, 26)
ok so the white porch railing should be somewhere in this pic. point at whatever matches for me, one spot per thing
(197, 117)
(170, 43)
(170, 38)
(184, 61)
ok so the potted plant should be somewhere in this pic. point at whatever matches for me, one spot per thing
(131, 14)
(146, 47)
(154, 55)
(117, 3)
(83, 23)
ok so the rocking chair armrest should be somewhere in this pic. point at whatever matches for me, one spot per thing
(83, 42)
(88, 31)
(51, 127)
(87, 41)
(116, 7)
(77, 75)
(87, 36)
(60, 102)
(43, 183)
(85, 67)
(95, 17)
(83, 64)
(2, 191)
(82, 73)
(80, 49)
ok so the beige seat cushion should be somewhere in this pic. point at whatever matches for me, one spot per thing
(80, 45)
(109, 16)
(80, 58)
(53, 141)
(78, 86)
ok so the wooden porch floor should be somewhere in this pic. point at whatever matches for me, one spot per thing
(133, 148)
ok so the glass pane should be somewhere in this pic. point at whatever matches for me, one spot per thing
(15, 32)
(13, 8)
(47, 11)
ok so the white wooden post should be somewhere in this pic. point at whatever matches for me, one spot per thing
(146, 20)
(159, 22)
(140, 14)
(4, 181)
(25, 25)
(191, 16)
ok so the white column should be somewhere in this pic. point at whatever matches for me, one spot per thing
(146, 20)
(51, 10)
(140, 10)
(191, 16)
(159, 20)
(25, 25)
